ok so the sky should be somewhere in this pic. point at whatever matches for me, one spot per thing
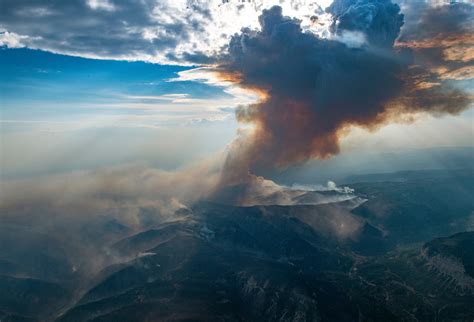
(86, 84)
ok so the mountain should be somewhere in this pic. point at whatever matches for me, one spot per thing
(270, 263)
(418, 206)
(429, 283)
(399, 249)
(452, 256)
(220, 263)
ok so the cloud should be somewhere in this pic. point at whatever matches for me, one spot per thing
(101, 5)
(209, 76)
(430, 19)
(173, 97)
(194, 32)
(463, 73)
(184, 32)
(11, 40)
(440, 37)
(130, 30)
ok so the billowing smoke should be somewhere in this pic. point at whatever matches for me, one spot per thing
(122, 192)
(85, 211)
(313, 89)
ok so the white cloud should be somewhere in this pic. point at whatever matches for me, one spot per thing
(173, 32)
(165, 97)
(101, 5)
(352, 39)
(209, 76)
(11, 40)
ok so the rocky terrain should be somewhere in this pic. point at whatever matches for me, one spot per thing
(379, 260)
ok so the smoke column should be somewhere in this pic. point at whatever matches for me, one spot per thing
(313, 89)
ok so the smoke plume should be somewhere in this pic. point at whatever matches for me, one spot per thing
(313, 89)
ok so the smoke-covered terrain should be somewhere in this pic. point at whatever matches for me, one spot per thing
(370, 251)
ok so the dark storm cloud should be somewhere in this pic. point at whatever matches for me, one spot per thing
(103, 29)
(313, 89)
